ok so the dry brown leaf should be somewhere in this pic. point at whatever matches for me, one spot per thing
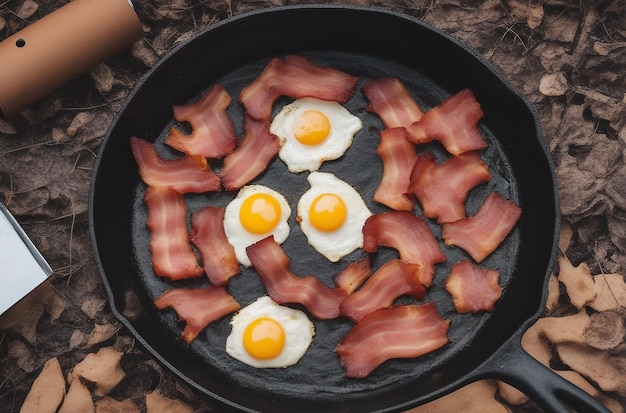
(565, 236)
(607, 371)
(27, 9)
(568, 329)
(535, 14)
(510, 394)
(78, 399)
(101, 333)
(610, 292)
(102, 368)
(157, 403)
(6, 127)
(553, 84)
(47, 390)
(24, 315)
(103, 77)
(109, 405)
(554, 293)
(605, 330)
(578, 282)
(477, 397)
(578, 380)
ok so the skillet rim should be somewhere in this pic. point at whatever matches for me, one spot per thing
(513, 91)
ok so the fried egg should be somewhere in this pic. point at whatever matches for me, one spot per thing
(312, 131)
(265, 334)
(256, 212)
(332, 214)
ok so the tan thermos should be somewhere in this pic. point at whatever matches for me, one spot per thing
(61, 46)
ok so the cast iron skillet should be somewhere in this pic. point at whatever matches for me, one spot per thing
(369, 43)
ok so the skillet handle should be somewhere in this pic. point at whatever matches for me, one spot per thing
(513, 365)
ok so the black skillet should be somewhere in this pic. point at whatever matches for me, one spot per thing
(369, 43)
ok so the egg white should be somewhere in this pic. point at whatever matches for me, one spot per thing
(299, 157)
(299, 332)
(347, 238)
(238, 236)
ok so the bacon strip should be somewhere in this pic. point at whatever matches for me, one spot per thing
(398, 156)
(197, 307)
(297, 77)
(254, 153)
(393, 279)
(218, 256)
(408, 234)
(354, 275)
(442, 188)
(283, 286)
(392, 102)
(473, 289)
(453, 123)
(213, 134)
(172, 256)
(481, 234)
(404, 331)
(181, 174)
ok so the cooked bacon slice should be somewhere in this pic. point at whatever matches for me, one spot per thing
(453, 123)
(481, 234)
(473, 289)
(403, 331)
(354, 275)
(218, 256)
(407, 233)
(197, 307)
(297, 77)
(212, 132)
(257, 148)
(283, 286)
(392, 102)
(390, 281)
(442, 188)
(172, 256)
(398, 156)
(181, 174)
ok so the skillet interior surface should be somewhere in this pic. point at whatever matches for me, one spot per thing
(432, 66)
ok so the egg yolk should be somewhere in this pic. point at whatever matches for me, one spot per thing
(328, 212)
(313, 127)
(264, 338)
(259, 213)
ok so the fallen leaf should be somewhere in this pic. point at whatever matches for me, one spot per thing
(78, 399)
(110, 405)
(605, 330)
(477, 397)
(157, 403)
(610, 292)
(535, 14)
(103, 76)
(578, 282)
(553, 84)
(554, 294)
(23, 316)
(607, 371)
(101, 333)
(102, 368)
(510, 394)
(47, 390)
(27, 9)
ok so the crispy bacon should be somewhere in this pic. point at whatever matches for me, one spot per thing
(257, 148)
(481, 234)
(354, 275)
(297, 77)
(197, 307)
(442, 188)
(473, 289)
(390, 281)
(398, 156)
(212, 132)
(218, 256)
(453, 123)
(181, 174)
(392, 102)
(172, 256)
(403, 331)
(408, 234)
(283, 286)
